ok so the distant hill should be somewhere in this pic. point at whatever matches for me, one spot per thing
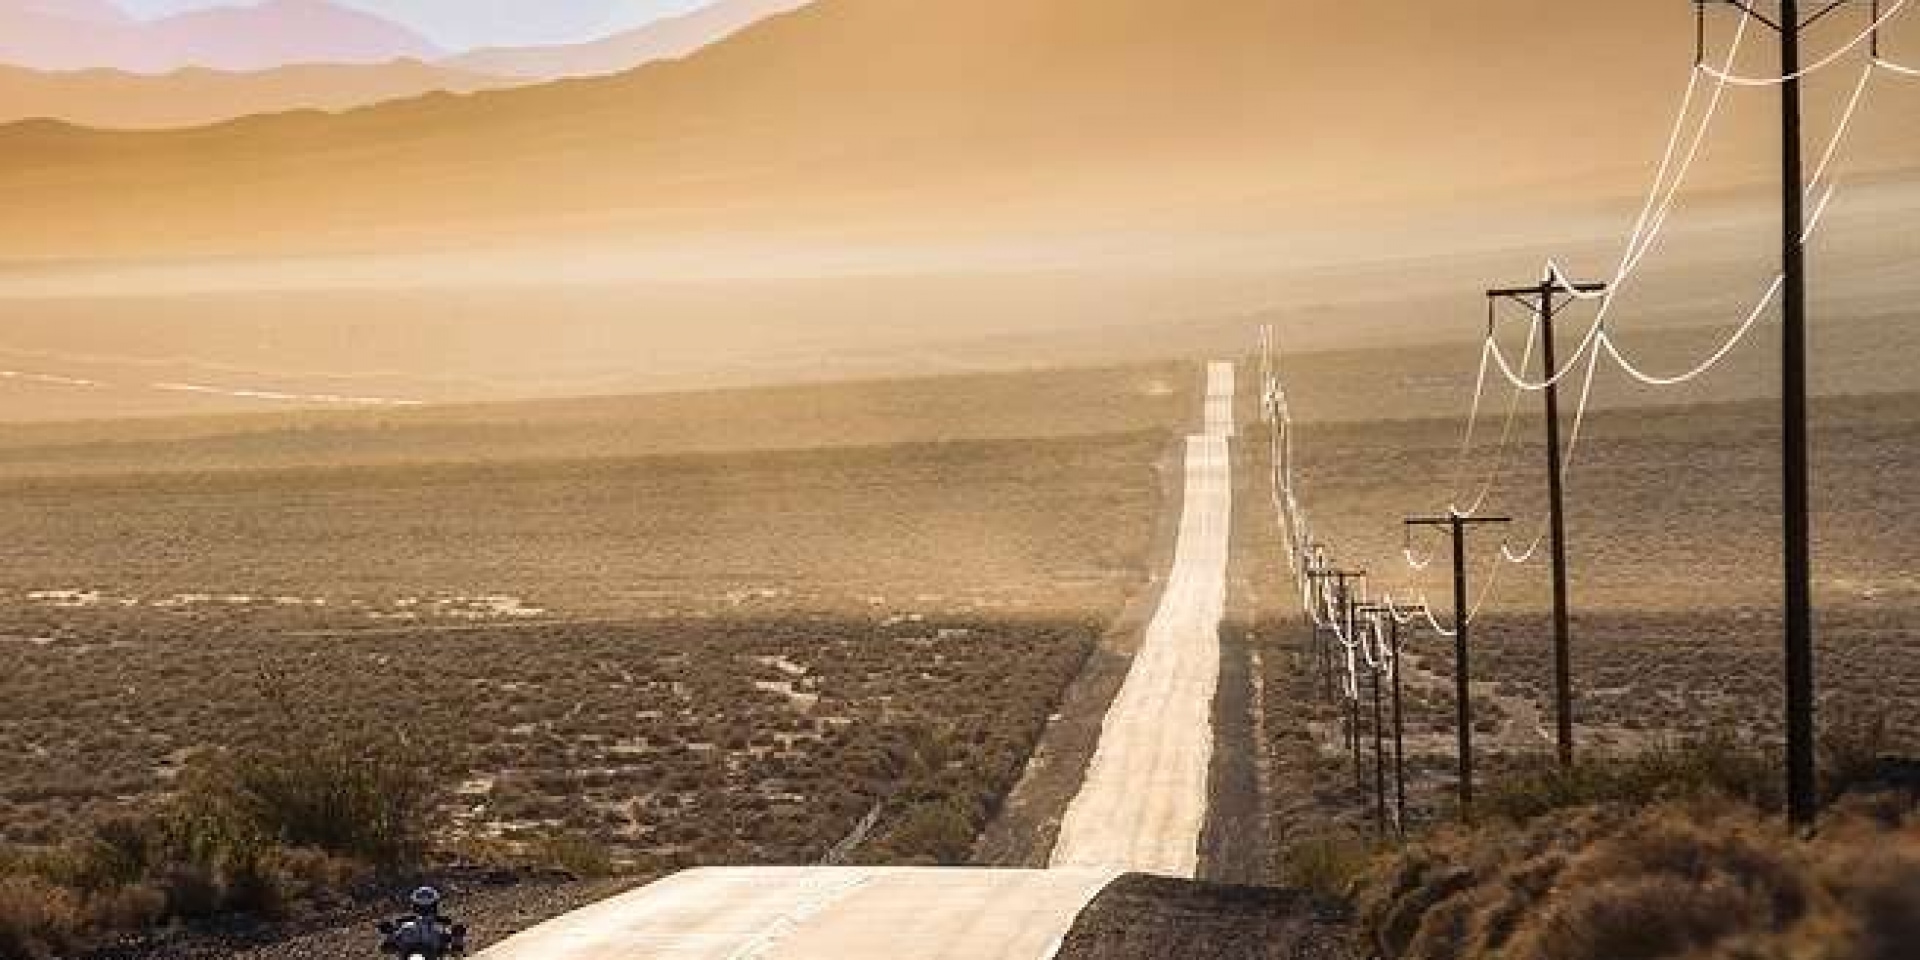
(196, 96)
(84, 11)
(86, 34)
(865, 187)
(666, 39)
(883, 114)
(878, 114)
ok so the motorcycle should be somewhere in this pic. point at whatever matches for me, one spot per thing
(423, 935)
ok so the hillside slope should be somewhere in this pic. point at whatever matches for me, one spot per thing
(863, 112)
(665, 39)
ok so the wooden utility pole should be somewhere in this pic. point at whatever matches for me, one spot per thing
(1543, 299)
(1399, 732)
(1341, 579)
(1347, 608)
(1463, 705)
(1801, 793)
(1802, 787)
(1374, 614)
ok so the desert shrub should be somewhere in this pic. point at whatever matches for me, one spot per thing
(37, 918)
(131, 908)
(376, 801)
(1715, 765)
(249, 833)
(934, 832)
(1708, 879)
(253, 884)
(1460, 892)
(1327, 864)
(118, 852)
(274, 815)
(571, 853)
(1646, 917)
(192, 890)
(1854, 744)
(1669, 882)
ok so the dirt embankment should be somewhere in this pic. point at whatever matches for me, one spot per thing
(1153, 918)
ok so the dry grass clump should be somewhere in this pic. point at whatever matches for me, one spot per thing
(37, 918)
(572, 853)
(1855, 754)
(261, 833)
(1703, 878)
(1328, 863)
(1714, 765)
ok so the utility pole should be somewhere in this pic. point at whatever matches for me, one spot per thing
(1341, 579)
(1347, 608)
(1343, 586)
(1399, 722)
(1802, 795)
(1543, 300)
(1315, 576)
(1374, 613)
(1399, 731)
(1463, 706)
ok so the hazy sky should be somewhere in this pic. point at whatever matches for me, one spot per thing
(463, 24)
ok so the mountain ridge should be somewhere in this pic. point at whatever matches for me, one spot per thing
(198, 96)
(670, 37)
(846, 113)
(41, 35)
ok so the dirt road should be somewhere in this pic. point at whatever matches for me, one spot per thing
(823, 913)
(1140, 810)
(1144, 800)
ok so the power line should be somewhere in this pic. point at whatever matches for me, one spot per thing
(1726, 349)
(1797, 229)
(1833, 148)
(1574, 437)
(1654, 214)
(1646, 233)
(1821, 172)
(1791, 24)
(1610, 345)
(1506, 429)
(1646, 230)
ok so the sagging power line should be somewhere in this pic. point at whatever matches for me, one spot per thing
(1789, 288)
(1681, 153)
